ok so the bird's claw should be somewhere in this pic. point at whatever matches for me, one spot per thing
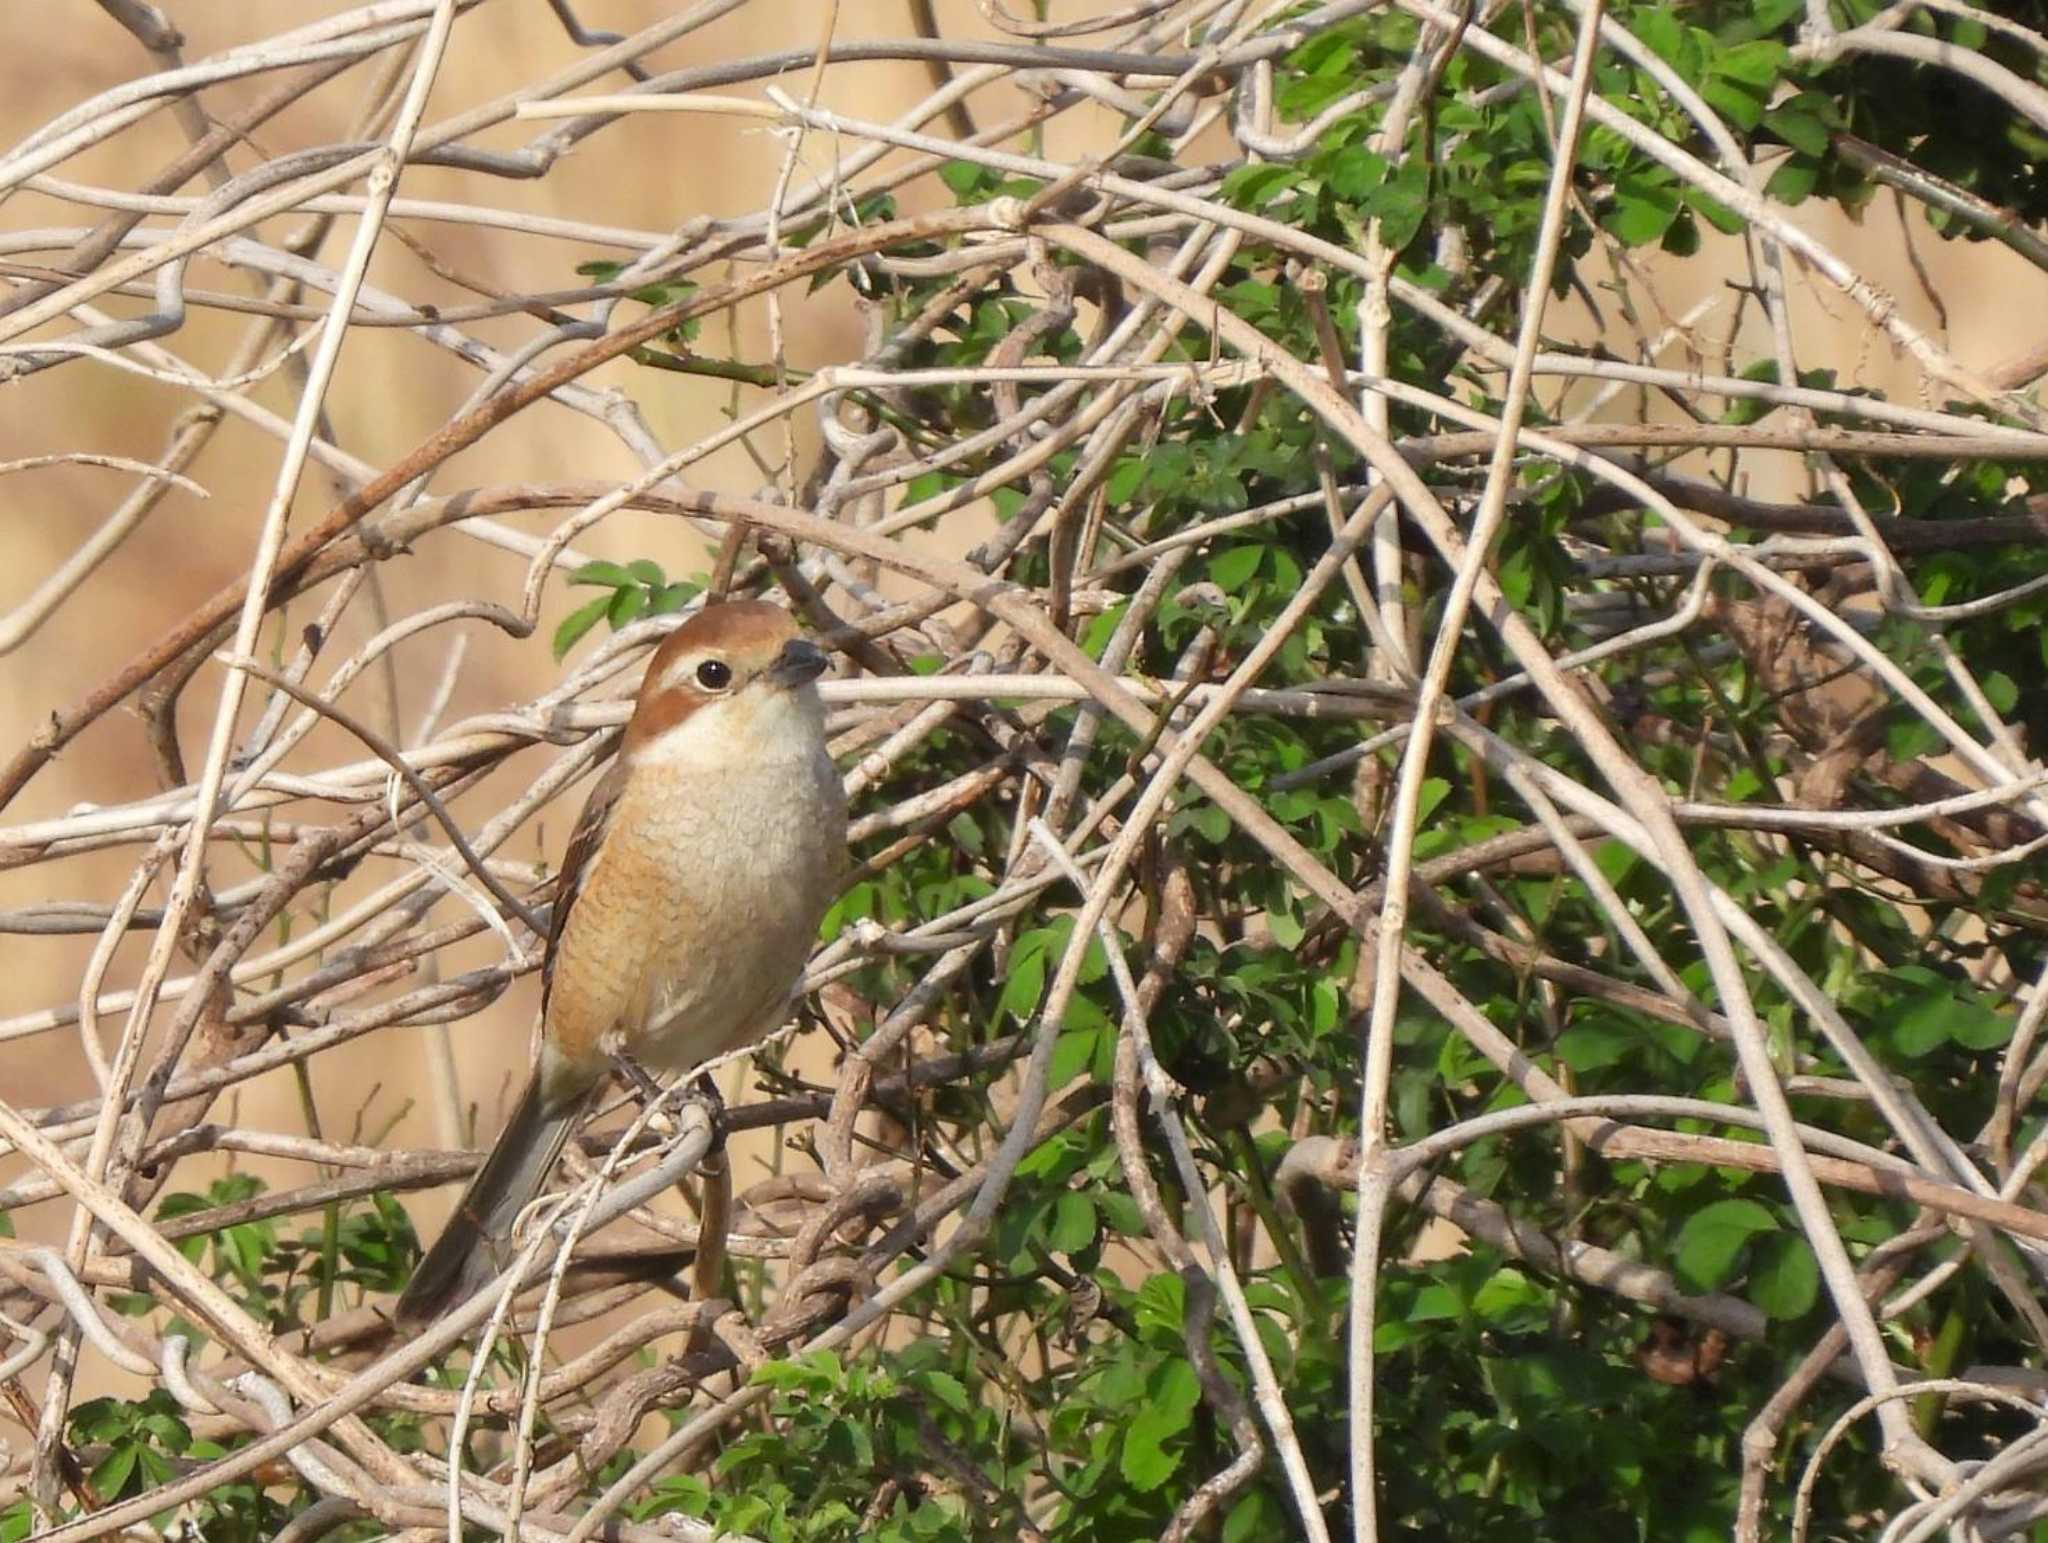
(704, 1091)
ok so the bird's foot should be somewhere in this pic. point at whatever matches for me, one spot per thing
(704, 1091)
(638, 1078)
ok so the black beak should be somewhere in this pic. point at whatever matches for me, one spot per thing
(800, 662)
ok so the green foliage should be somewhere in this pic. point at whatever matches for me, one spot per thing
(633, 590)
(286, 1279)
(140, 1441)
(668, 292)
(841, 1434)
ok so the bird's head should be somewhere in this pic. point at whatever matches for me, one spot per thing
(734, 685)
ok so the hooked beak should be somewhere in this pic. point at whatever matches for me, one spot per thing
(800, 662)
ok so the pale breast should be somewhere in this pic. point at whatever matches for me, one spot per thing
(698, 912)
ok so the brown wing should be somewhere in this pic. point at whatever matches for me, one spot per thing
(584, 841)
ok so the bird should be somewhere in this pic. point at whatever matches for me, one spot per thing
(689, 898)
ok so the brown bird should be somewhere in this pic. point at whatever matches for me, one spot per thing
(688, 902)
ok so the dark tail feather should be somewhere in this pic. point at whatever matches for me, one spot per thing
(472, 1248)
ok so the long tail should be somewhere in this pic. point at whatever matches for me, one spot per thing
(471, 1249)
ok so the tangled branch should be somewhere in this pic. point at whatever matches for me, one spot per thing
(1257, 492)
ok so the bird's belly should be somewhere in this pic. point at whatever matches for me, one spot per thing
(706, 996)
(726, 894)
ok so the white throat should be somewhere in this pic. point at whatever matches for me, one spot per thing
(741, 732)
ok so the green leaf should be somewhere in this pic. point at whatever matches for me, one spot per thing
(1175, 1387)
(1511, 1300)
(1977, 1027)
(1160, 1306)
(1120, 1213)
(1642, 211)
(1683, 238)
(1168, 1411)
(1436, 1302)
(1402, 204)
(1712, 1240)
(1922, 1025)
(1714, 212)
(578, 622)
(1784, 1279)
(672, 598)
(1259, 184)
(1146, 1464)
(1071, 1055)
(1769, 15)
(1026, 983)
(1941, 1013)
(626, 606)
(1073, 1224)
(1739, 101)
(1205, 819)
(965, 179)
(1911, 738)
(113, 1472)
(1123, 483)
(611, 575)
(745, 1514)
(1615, 859)
(1793, 181)
(1255, 1518)
(946, 1388)
(1355, 171)
(1231, 570)
(2000, 692)
(1665, 36)
(1517, 574)
(1801, 130)
(966, 833)
(1757, 63)
(1286, 929)
(1587, 1047)
(1434, 791)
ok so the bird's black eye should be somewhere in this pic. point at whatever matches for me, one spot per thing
(714, 675)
